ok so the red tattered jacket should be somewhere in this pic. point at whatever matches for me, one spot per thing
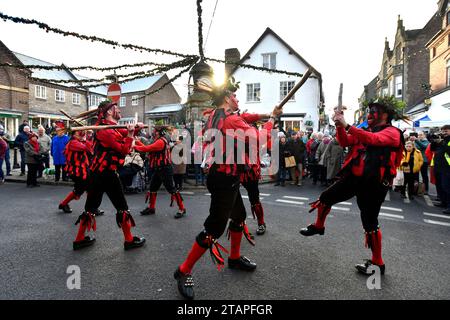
(159, 152)
(233, 162)
(78, 155)
(363, 143)
(110, 148)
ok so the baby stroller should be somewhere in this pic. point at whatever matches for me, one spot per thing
(132, 174)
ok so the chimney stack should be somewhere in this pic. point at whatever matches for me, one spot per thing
(231, 55)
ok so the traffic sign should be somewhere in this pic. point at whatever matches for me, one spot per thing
(114, 92)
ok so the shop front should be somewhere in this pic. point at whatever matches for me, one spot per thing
(10, 121)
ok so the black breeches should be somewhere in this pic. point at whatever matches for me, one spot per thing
(370, 196)
(252, 190)
(108, 181)
(226, 203)
(162, 175)
(80, 185)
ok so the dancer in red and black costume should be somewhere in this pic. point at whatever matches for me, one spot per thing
(110, 148)
(367, 173)
(250, 178)
(78, 154)
(226, 202)
(160, 161)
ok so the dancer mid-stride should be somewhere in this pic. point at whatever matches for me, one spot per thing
(110, 148)
(160, 161)
(367, 173)
(223, 183)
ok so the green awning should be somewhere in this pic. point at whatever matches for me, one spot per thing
(9, 115)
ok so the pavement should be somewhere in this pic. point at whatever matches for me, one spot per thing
(37, 250)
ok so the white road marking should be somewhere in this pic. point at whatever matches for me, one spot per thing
(346, 203)
(246, 197)
(187, 192)
(291, 202)
(207, 194)
(388, 196)
(265, 194)
(428, 200)
(437, 222)
(391, 215)
(296, 198)
(340, 208)
(436, 215)
(392, 209)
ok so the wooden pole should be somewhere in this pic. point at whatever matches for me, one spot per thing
(297, 86)
(72, 119)
(115, 126)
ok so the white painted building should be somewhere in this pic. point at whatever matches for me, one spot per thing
(260, 91)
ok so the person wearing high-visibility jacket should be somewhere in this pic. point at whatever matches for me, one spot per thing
(442, 168)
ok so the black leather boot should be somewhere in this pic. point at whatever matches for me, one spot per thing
(312, 230)
(136, 243)
(363, 268)
(179, 214)
(243, 263)
(185, 284)
(148, 211)
(86, 242)
(98, 212)
(65, 208)
(261, 229)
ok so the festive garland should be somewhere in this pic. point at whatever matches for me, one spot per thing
(149, 73)
(167, 82)
(47, 28)
(115, 44)
(200, 28)
(42, 67)
(134, 75)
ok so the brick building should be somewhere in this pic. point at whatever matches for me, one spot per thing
(22, 96)
(135, 101)
(404, 71)
(14, 98)
(435, 111)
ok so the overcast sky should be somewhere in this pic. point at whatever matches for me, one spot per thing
(344, 40)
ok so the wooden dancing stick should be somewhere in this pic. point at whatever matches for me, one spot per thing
(72, 119)
(114, 126)
(297, 86)
(87, 114)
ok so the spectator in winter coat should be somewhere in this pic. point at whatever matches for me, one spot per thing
(32, 158)
(320, 159)
(45, 141)
(421, 144)
(283, 153)
(19, 142)
(59, 160)
(411, 163)
(297, 148)
(3, 149)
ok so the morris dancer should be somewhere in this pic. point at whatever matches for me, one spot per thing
(160, 161)
(110, 148)
(78, 154)
(226, 201)
(367, 173)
